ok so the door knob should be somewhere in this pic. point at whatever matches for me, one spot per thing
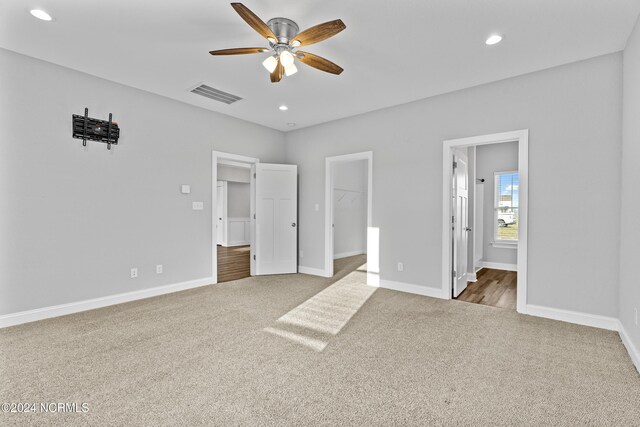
(293, 224)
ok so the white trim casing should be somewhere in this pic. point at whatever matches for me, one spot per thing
(522, 137)
(224, 158)
(503, 245)
(472, 277)
(585, 319)
(328, 205)
(500, 266)
(91, 304)
(348, 254)
(410, 288)
(633, 351)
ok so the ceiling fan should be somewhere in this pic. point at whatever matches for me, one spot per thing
(284, 38)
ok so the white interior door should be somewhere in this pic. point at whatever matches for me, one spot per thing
(276, 218)
(461, 220)
(220, 214)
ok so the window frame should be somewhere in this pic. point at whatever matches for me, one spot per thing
(498, 242)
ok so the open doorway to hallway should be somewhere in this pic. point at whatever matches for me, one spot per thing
(484, 221)
(233, 223)
(485, 240)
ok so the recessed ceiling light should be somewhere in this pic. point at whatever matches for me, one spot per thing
(494, 39)
(283, 108)
(40, 14)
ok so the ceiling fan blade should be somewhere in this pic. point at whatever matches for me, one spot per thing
(319, 62)
(277, 74)
(255, 22)
(239, 51)
(319, 32)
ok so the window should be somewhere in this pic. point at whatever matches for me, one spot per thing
(506, 207)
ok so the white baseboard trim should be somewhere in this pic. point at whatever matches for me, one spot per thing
(312, 271)
(634, 353)
(237, 243)
(348, 254)
(90, 304)
(500, 266)
(593, 320)
(472, 277)
(409, 288)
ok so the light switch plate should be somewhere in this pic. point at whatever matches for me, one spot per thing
(198, 206)
(186, 189)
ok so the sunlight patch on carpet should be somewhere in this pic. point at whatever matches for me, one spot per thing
(322, 316)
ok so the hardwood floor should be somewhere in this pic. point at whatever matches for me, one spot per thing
(496, 288)
(233, 263)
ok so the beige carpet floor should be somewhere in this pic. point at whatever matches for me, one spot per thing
(301, 350)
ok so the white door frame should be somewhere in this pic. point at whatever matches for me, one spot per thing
(328, 203)
(219, 157)
(522, 137)
(225, 190)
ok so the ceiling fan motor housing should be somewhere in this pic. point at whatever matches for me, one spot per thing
(284, 29)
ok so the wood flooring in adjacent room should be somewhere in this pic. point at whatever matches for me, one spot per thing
(233, 263)
(496, 288)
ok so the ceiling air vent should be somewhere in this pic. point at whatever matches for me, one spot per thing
(218, 95)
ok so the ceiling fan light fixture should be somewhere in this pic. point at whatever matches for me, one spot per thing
(40, 14)
(270, 63)
(493, 39)
(290, 70)
(286, 59)
(284, 37)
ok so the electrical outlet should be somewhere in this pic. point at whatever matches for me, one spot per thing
(400, 266)
(134, 273)
(159, 269)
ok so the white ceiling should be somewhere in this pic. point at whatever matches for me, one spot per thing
(393, 51)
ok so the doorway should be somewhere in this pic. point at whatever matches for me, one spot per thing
(348, 209)
(232, 210)
(485, 189)
(273, 216)
(233, 221)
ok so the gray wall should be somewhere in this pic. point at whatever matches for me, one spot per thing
(73, 221)
(233, 173)
(238, 200)
(350, 207)
(630, 231)
(490, 159)
(574, 116)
